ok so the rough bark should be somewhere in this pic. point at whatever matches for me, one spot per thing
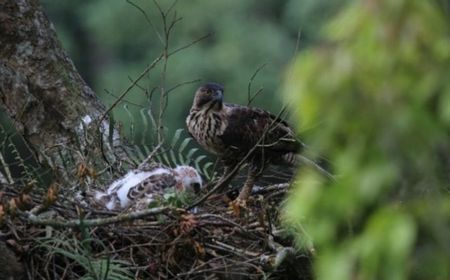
(42, 92)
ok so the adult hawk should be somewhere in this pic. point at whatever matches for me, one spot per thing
(235, 133)
(138, 188)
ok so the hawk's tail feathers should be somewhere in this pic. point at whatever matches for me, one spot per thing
(291, 159)
(297, 160)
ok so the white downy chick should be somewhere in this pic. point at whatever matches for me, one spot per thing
(139, 188)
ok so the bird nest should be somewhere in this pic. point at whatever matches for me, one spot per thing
(59, 239)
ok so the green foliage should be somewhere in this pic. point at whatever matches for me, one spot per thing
(375, 99)
(178, 199)
(173, 198)
(80, 252)
(178, 152)
(17, 162)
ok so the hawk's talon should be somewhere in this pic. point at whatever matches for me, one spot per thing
(236, 206)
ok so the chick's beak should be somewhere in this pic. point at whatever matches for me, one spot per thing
(196, 187)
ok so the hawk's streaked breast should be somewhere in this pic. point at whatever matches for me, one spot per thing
(206, 127)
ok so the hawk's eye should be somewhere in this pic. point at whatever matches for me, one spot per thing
(208, 91)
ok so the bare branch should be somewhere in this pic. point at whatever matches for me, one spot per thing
(182, 84)
(148, 20)
(249, 86)
(9, 177)
(35, 220)
(126, 101)
(126, 91)
(190, 44)
(151, 155)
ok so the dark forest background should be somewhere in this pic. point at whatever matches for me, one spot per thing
(112, 41)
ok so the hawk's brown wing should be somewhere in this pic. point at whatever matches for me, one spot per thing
(247, 125)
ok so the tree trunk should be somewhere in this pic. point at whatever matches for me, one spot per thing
(45, 97)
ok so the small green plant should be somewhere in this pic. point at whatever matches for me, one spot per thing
(173, 198)
(80, 253)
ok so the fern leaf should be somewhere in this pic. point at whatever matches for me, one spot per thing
(132, 122)
(145, 124)
(184, 144)
(176, 137)
(173, 158)
(205, 171)
(191, 153)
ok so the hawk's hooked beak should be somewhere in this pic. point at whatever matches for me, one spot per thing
(218, 96)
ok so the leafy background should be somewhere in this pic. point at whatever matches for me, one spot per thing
(376, 97)
(111, 41)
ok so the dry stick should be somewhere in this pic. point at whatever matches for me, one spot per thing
(247, 262)
(164, 39)
(226, 247)
(150, 155)
(311, 162)
(126, 101)
(147, 18)
(163, 100)
(297, 46)
(121, 96)
(189, 44)
(249, 86)
(166, 55)
(204, 216)
(182, 84)
(9, 179)
(143, 89)
(32, 219)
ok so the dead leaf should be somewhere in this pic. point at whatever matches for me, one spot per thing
(199, 249)
(52, 194)
(2, 213)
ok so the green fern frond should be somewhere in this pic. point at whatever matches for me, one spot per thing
(176, 137)
(184, 144)
(146, 126)
(80, 253)
(176, 152)
(191, 152)
(132, 121)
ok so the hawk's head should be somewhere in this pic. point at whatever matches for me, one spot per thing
(209, 96)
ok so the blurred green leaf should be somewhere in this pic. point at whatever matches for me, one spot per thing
(372, 98)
